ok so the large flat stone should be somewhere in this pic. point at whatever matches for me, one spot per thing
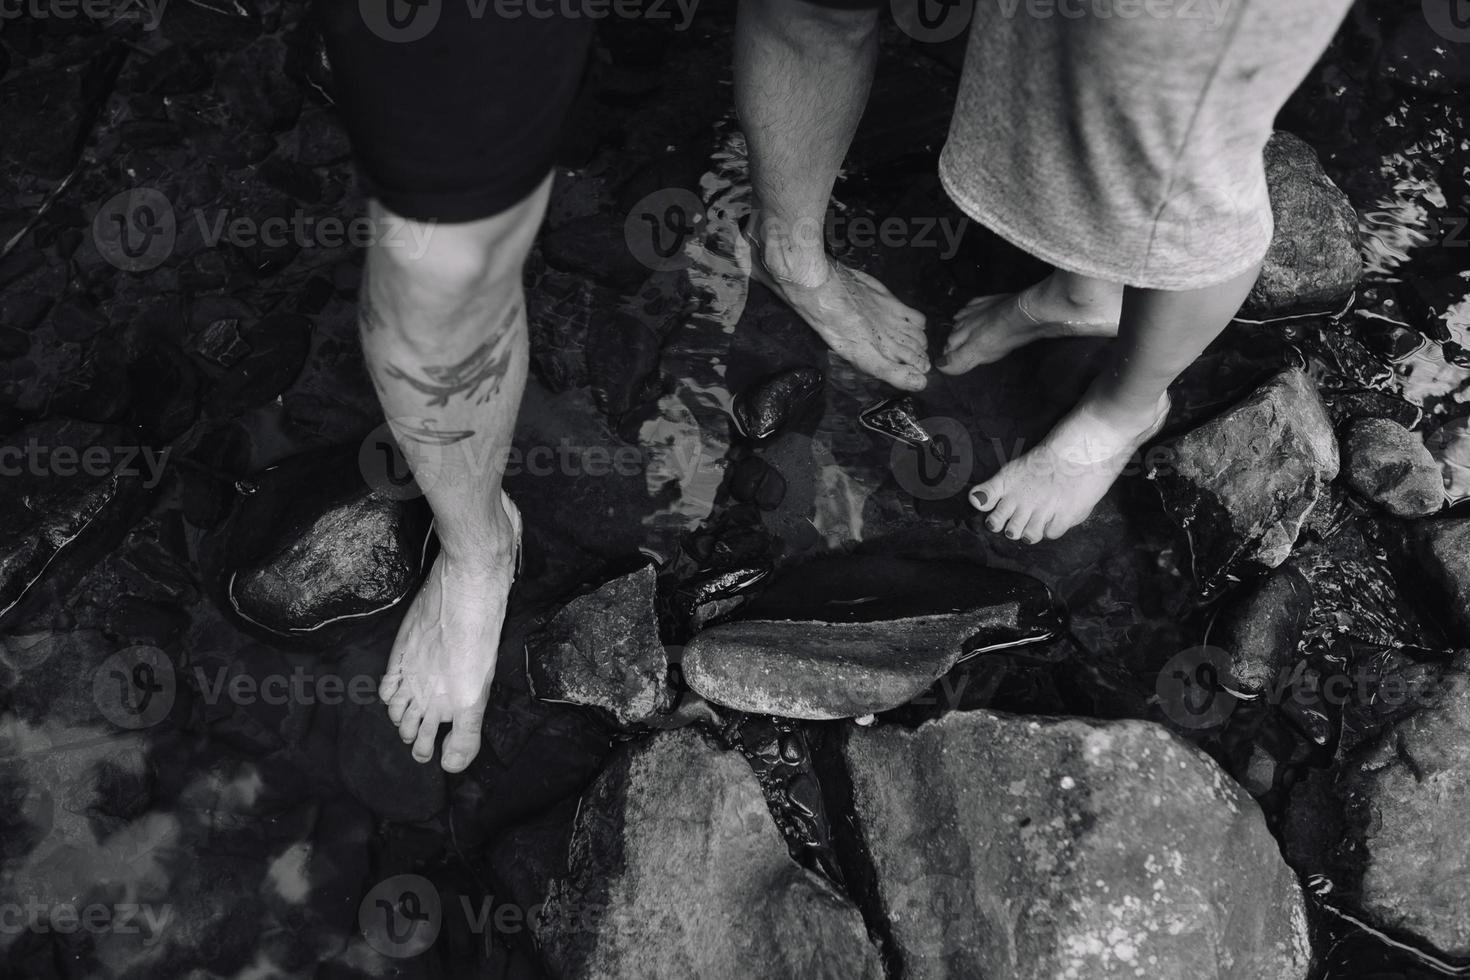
(845, 637)
(676, 870)
(1038, 849)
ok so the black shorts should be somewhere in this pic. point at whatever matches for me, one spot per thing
(455, 107)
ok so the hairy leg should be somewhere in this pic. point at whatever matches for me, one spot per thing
(445, 337)
(1053, 487)
(802, 76)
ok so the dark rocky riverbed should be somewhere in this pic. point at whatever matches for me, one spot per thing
(770, 702)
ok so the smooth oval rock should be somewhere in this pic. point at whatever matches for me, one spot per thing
(1391, 466)
(676, 870)
(1043, 848)
(856, 635)
(313, 548)
(762, 411)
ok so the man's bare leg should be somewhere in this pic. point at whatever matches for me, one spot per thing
(446, 343)
(802, 75)
(1052, 488)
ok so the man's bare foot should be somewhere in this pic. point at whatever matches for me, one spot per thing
(863, 323)
(1052, 488)
(444, 656)
(988, 328)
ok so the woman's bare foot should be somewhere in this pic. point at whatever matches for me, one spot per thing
(444, 656)
(988, 328)
(1052, 488)
(863, 323)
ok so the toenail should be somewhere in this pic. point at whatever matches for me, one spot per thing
(1011, 535)
(979, 498)
(454, 760)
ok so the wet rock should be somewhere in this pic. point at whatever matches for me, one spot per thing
(47, 114)
(622, 355)
(535, 754)
(1313, 263)
(560, 311)
(763, 410)
(257, 83)
(841, 638)
(897, 418)
(1036, 848)
(708, 598)
(754, 481)
(1261, 630)
(1349, 406)
(274, 351)
(379, 769)
(1242, 484)
(1408, 802)
(1450, 446)
(1436, 556)
(1391, 466)
(314, 547)
(71, 491)
(781, 758)
(602, 649)
(595, 247)
(676, 870)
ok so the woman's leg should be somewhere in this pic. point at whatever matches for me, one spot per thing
(1054, 486)
(1064, 304)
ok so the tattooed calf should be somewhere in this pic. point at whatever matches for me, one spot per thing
(485, 366)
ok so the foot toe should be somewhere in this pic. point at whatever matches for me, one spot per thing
(423, 743)
(1001, 514)
(1035, 528)
(408, 726)
(463, 743)
(399, 703)
(984, 496)
(389, 686)
(1015, 525)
